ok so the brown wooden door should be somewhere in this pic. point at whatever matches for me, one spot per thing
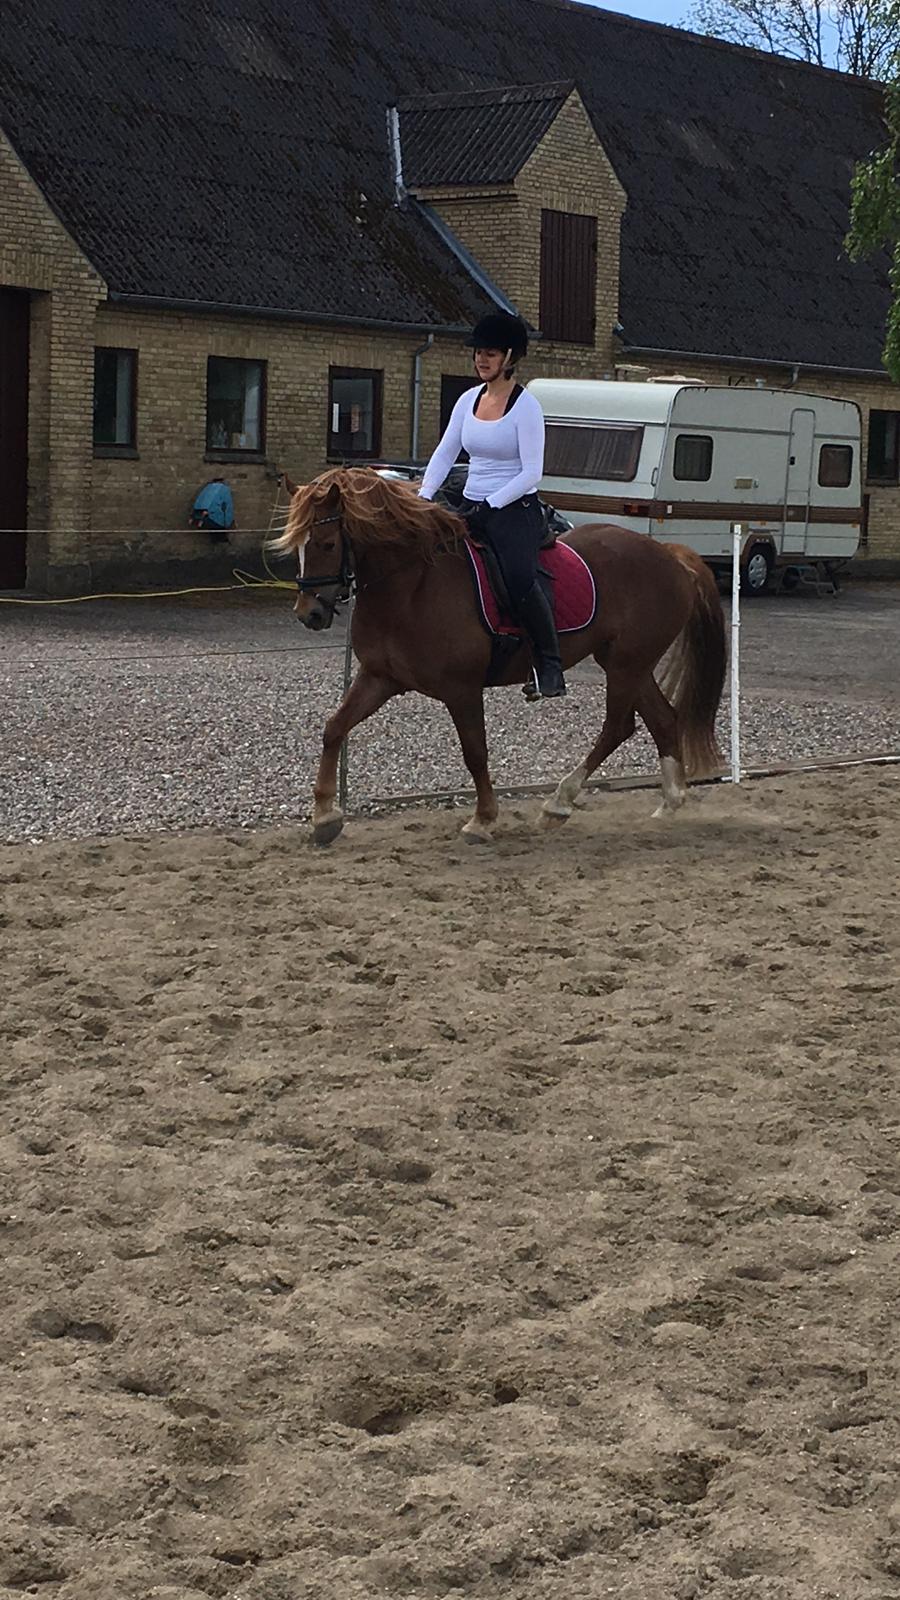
(14, 327)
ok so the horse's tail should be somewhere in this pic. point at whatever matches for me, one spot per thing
(694, 675)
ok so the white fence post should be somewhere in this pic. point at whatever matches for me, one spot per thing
(737, 532)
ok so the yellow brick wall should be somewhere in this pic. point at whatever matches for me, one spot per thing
(882, 549)
(148, 500)
(569, 171)
(37, 254)
(155, 492)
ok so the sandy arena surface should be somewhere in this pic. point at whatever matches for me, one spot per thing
(412, 1221)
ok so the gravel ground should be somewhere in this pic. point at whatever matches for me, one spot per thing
(125, 717)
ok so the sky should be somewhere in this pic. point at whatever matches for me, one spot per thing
(671, 11)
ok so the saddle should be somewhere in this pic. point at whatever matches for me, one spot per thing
(451, 496)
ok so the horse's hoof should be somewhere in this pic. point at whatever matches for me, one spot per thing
(475, 832)
(554, 814)
(326, 831)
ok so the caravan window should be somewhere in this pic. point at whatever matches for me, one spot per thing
(835, 466)
(609, 451)
(693, 458)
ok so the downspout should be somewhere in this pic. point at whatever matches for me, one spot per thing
(417, 396)
(393, 130)
(795, 375)
(400, 200)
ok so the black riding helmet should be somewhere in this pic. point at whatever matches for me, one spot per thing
(500, 331)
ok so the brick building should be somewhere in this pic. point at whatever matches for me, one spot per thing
(237, 244)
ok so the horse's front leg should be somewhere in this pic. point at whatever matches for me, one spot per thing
(468, 718)
(364, 697)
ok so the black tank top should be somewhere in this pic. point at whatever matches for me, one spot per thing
(516, 391)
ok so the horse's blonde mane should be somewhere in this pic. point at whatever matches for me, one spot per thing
(374, 512)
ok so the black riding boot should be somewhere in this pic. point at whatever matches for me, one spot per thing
(535, 613)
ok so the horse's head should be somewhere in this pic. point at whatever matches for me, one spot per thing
(352, 515)
(315, 529)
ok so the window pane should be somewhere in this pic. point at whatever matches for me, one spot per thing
(354, 423)
(608, 452)
(835, 466)
(693, 458)
(884, 445)
(114, 397)
(234, 391)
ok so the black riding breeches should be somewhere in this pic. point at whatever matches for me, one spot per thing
(515, 533)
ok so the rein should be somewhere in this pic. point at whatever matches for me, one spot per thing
(345, 578)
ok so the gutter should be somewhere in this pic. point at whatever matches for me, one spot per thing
(151, 302)
(467, 261)
(755, 361)
(404, 201)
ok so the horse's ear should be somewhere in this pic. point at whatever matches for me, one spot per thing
(288, 485)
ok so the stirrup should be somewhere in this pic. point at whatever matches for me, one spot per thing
(532, 688)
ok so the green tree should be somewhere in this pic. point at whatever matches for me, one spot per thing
(875, 211)
(857, 36)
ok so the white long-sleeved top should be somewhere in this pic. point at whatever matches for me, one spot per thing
(506, 457)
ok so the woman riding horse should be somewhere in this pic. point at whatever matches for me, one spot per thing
(501, 427)
(416, 628)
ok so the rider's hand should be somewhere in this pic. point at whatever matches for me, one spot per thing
(476, 517)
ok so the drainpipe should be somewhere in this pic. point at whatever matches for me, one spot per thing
(417, 396)
(396, 151)
(795, 374)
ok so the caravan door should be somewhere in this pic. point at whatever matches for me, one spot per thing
(798, 481)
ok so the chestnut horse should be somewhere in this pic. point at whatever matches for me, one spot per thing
(415, 627)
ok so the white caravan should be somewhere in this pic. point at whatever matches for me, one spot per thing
(682, 462)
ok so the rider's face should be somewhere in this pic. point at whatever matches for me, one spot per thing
(490, 364)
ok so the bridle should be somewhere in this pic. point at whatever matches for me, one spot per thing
(343, 580)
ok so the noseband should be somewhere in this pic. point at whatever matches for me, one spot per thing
(341, 580)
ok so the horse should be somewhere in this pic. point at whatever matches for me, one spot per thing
(415, 627)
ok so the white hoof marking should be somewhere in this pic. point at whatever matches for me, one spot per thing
(567, 795)
(673, 785)
(477, 832)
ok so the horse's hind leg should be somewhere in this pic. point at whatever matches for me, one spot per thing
(468, 718)
(662, 722)
(364, 697)
(618, 725)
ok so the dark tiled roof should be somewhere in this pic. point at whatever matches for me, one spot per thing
(218, 150)
(476, 137)
(196, 154)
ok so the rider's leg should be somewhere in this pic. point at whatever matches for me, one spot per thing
(535, 613)
(515, 533)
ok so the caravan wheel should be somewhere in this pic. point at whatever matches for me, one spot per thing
(757, 569)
